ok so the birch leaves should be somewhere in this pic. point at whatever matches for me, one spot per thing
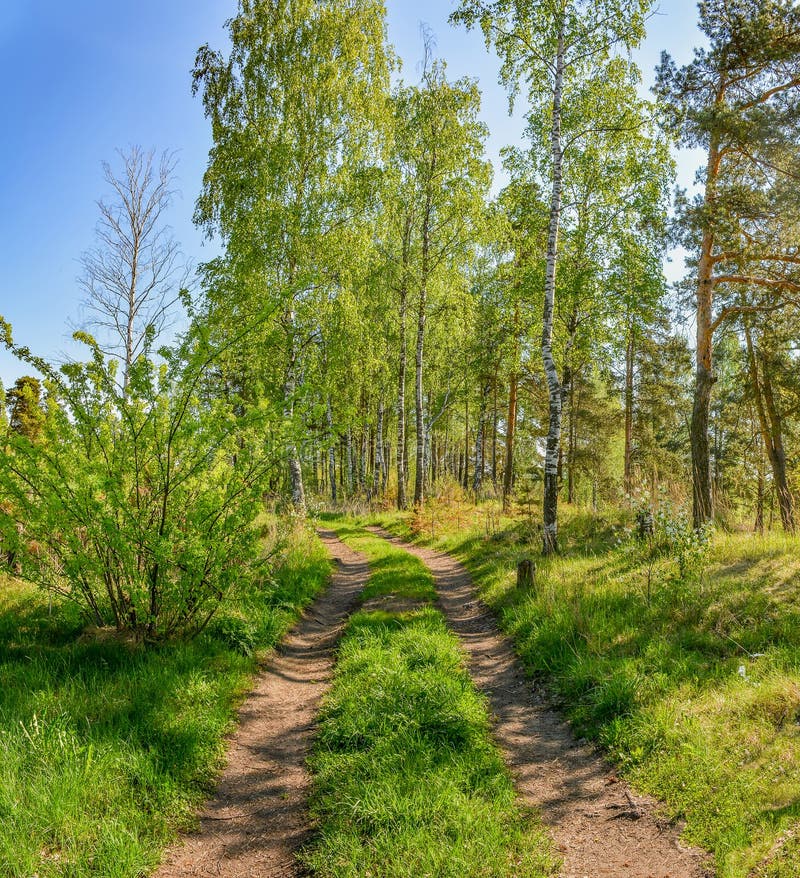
(298, 115)
(563, 52)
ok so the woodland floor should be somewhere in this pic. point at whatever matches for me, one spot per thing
(258, 819)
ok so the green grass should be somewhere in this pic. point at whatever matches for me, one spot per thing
(656, 678)
(407, 781)
(107, 749)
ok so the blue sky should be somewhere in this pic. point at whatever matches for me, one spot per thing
(86, 77)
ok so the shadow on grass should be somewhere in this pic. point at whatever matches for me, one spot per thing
(141, 727)
(676, 681)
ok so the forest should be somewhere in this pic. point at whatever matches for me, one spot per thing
(466, 395)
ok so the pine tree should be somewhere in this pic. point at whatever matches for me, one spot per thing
(740, 101)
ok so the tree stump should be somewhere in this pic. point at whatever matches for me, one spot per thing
(526, 573)
(644, 524)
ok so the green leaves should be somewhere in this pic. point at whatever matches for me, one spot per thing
(138, 504)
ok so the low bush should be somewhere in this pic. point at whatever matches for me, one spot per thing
(136, 502)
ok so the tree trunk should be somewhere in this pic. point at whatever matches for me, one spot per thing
(758, 524)
(350, 467)
(422, 316)
(362, 468)
(511, 421)
(427, 447)
(465, 469)
(771, 430)
(508, 472)
(778, 457)
(569, 391)
(289, 388)
(628, 465)
(494, 431)
(331, 453)
(378, 477)
(703, 507)
(402, 441)
(419, 408)
(131, 310)
(703, 504)
(477, 479)
(550, 501)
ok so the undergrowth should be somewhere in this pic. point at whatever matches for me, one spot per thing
(407, 782)
(107, 748)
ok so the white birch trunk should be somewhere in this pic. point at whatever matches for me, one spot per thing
(550, 504)
(296, 486)
(377, 480)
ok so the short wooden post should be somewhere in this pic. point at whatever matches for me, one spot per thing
(526, 573)
(644, 524)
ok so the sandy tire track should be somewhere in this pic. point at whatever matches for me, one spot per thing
(601, 828)
(258, 818)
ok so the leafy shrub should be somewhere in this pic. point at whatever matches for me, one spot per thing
(677, 537)
(137, 502)
(670, 532)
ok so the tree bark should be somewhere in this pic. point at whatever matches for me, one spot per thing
(568, 393)
(771, 425)
(419, 405)
(758, 524)
(362, 466)
(550, 500)
(703, 501)
(350, 465)
(402, 441)
(378, 470)
(778, 456)
(494, 431)
(628, 464)
(422, 316)
(477, 478)
(511, 426)
(511, 420)
(331, 453)
(465, 468)
(296, 486)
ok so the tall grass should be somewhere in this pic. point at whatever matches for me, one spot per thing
(691, 684)
(106, 749)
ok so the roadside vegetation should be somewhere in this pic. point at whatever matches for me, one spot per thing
(107, 747)
(407, 781)
(380, 328)
(688, 679)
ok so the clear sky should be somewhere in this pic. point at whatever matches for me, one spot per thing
(86, 77)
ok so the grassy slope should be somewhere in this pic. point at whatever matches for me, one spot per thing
(106, 750)
(657, 681)
(407, 781)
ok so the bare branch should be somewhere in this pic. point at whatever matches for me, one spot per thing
(134, 276)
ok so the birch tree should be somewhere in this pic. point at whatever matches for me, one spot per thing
(560, 52)
(136, 273)
(442, 172)
(297, 112)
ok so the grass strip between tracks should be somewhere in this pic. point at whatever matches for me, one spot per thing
(407, 779)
